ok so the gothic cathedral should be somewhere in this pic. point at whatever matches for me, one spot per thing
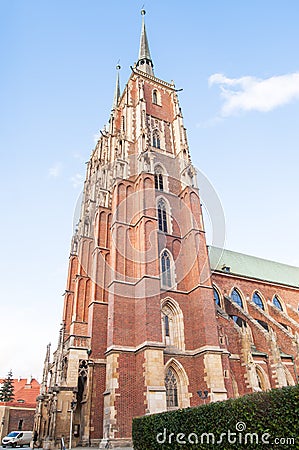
(153, 319)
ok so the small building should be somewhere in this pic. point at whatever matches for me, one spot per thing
(19, 413)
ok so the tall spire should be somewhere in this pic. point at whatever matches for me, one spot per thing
(144, 62)
(117, 88)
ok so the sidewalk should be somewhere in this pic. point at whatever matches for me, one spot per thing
(93, 448)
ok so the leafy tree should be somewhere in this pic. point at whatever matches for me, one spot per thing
(7, 389)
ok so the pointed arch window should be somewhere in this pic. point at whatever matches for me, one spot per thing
(236, 297)
(155, 97)
(86, 227)
(159, 182)
(75, 246)
(166, 325)
(162, 216)
(277, 303)
(156, 139)
(171, 384)
(173, 324)
(257, 300)
(289, 378)
(216, 296)
(239, 321)
(263, 324)
(166, 269)
(260, 379)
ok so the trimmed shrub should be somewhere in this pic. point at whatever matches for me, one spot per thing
(263, 420)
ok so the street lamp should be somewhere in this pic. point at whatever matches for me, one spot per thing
(73, 407)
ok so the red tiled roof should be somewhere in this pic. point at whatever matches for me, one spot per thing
(26, 390)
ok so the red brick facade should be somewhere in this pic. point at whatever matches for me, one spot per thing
(277, 346)
(141, 330)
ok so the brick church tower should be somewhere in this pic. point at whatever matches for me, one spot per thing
(139, 330)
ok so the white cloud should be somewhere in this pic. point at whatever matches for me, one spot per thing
(77, 180)
(55, 170)
(253, 94)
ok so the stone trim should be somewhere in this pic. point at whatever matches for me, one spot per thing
(146, 345)
(153, 78)
(123, 348)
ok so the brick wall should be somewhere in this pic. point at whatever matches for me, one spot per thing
(21, 417)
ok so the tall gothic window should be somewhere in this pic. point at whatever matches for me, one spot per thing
(277, 303)
(155, 97)
(156, 139)
(236, 297)
(159, 182)
(166, 269)
(239, 321)
(260, 379)
(257, 300)
(216, 297)
(86, 227)
(166, 325)
(171, 385)
(162, 216)
(173, 324)
(263, 324)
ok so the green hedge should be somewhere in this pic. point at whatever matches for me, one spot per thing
(264, 420)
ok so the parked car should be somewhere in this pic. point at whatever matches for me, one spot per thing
(15, 438)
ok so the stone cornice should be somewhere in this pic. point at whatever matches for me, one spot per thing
(153, 78)
(154, 345)
(127, 349)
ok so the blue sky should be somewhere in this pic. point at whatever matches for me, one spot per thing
(237, 63)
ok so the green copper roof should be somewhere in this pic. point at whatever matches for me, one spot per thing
(227, 261)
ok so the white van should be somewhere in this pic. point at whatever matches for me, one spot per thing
(15, 438)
